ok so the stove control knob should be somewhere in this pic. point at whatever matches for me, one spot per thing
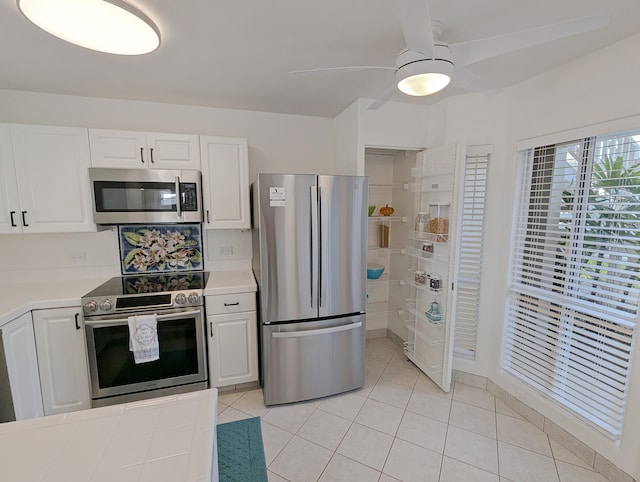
(181, 298)
(194, 298)
(106, 305)
(90, 306)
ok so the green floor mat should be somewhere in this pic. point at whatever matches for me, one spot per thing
(240, 451)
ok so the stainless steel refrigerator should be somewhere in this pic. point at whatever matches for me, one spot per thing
(309, 260)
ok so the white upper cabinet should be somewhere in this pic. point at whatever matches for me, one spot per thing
(9, 203)
(225, 177)
(140, 150)
(45, 179)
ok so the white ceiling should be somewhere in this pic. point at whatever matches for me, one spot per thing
(238, 54)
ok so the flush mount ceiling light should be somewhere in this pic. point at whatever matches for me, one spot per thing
(111, 26)
(420, 76)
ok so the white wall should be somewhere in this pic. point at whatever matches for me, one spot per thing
(395, 125)
(277, 143)
(596, 89)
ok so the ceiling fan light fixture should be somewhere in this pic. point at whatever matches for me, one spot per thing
(424, 84)
(425, 77)
(418, 75)
(112, 26)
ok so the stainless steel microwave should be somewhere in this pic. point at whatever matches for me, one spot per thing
(145, 196)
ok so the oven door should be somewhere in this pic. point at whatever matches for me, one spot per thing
(113, 370)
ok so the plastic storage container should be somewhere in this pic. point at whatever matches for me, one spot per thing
(439, 221)
(422, 223)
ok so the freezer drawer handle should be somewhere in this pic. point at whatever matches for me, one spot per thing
(321, 331)
(237, 303)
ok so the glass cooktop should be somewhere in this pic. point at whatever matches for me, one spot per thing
(156, 283)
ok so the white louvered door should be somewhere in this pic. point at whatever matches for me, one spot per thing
(469, 251)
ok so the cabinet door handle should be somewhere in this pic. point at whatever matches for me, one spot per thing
(13, 221)
(142, 155)
(208, 220)
(151, 155)
(24, 219)
(237, 303)
(211, 329)
(77, 322)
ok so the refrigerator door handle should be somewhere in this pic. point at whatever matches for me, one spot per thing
(321, 331)
(323, 240)
(313, 251)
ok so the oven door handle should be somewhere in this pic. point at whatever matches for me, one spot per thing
(124, 321)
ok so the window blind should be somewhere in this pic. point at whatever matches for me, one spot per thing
(470, 254)
(573, 298)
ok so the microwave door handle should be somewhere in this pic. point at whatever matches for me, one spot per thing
(178, 200)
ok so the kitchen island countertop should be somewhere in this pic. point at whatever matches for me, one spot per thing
(170, 438)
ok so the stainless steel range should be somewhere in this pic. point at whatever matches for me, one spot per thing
(176, 300)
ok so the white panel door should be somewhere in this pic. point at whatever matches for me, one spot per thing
(431, 327)
(121, 149)
(142, 150)
(53, 178)
(233, 348)
(64, 373)
(225, 177)
(9, 202)
(173, 151)
(22, 364)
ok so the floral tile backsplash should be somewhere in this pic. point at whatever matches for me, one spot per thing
(160, 248)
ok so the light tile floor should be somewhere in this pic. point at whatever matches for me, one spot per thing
(401, 426)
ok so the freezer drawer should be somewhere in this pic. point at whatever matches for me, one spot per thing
(307, 360)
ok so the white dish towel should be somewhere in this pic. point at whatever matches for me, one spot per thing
(143, 338)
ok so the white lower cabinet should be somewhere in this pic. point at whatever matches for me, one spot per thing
(22, 368)
(232, 335)
(64, 374)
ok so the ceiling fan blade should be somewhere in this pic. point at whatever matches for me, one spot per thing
(351, 68)
(467, 53)
(415, 21)
(384, 97)
(467, 80)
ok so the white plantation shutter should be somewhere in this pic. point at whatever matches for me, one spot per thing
(472, 209)
(573, 299)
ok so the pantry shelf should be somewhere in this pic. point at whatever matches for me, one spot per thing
(402, 219)
(395, 185)
(387, 251)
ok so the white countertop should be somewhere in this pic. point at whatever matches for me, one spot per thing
(19, 298)
(162, 439)
(227, 282)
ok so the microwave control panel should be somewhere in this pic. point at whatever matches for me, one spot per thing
(188, 196)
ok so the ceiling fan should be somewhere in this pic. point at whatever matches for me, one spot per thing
(428, 64)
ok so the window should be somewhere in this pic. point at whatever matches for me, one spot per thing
(573, 297)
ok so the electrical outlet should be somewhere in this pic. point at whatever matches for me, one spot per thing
(78, 257)
(225, 250)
